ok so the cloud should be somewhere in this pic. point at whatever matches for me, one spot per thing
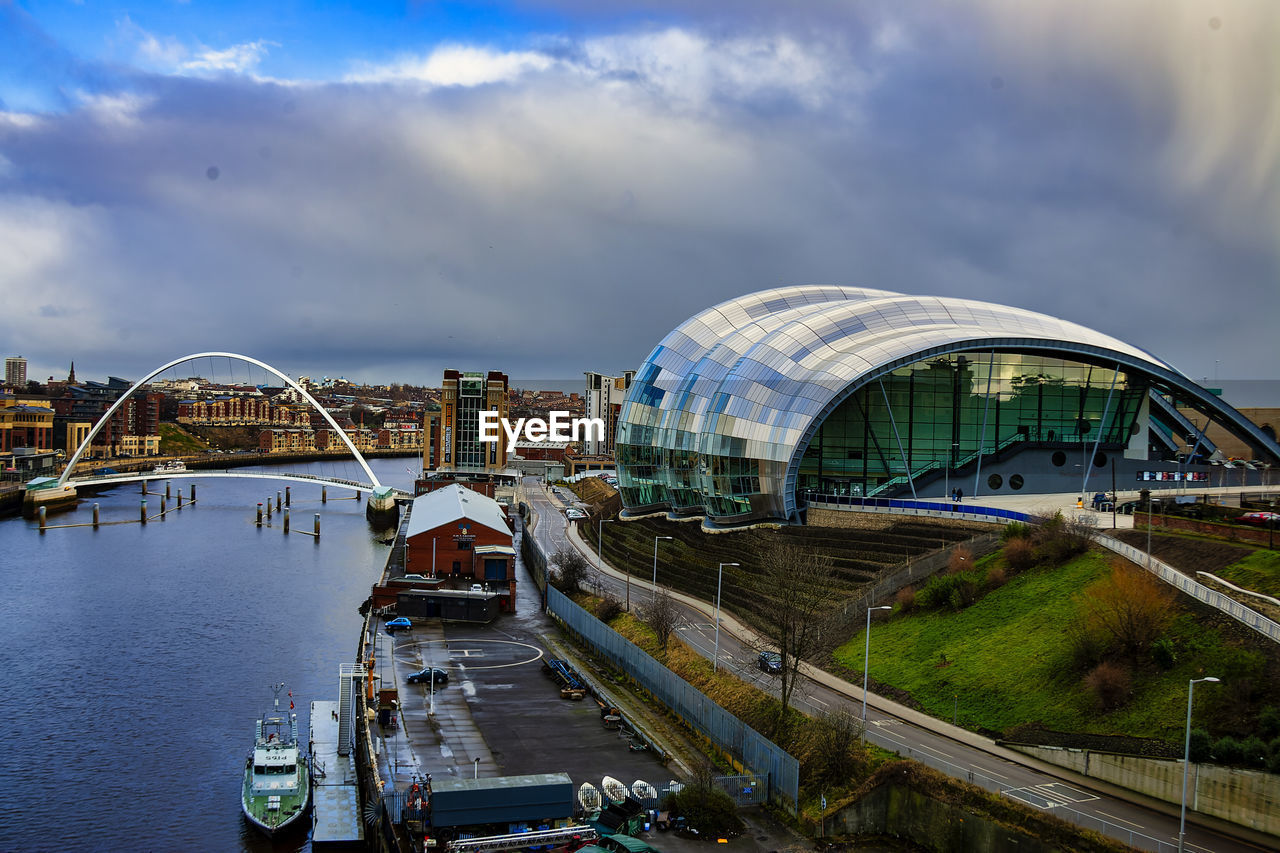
(455, 65)
(237, 59)
(561, 205)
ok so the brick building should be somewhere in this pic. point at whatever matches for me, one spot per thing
(459, 538)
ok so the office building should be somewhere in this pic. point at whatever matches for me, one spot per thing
(604, 401)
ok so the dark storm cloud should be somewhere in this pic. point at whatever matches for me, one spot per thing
(565, 208)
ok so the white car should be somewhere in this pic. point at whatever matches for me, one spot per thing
(574, 514)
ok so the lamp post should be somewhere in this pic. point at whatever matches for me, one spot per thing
(866, 658)
(1186, 758)
(715, 661)
(655, 565)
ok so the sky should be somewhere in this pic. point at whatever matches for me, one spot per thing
(381, 191)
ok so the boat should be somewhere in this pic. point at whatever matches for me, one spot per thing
(277, 781)
(589, 797)
(176, 466)
(643, 791)
(614, 790)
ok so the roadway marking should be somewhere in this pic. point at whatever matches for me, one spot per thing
(1029, 796)
(1059, 791)
(466, 653)
(1122, 820)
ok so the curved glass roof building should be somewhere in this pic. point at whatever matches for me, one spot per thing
(751, 406)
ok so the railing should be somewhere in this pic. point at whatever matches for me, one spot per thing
(934, 509)
(1199, 591)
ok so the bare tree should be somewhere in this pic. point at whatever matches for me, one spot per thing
(571, 568)
(661, 616)
(838, 751)
(795, 585)
(1130, 607)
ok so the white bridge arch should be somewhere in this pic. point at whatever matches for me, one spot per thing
(88, 440)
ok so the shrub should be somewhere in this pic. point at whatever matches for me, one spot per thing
(961, 559)
(1085, 645)
(1163, 653)
(1058, 539)
(963, 593)
(1228, 750)
(1014, 531)
(1269, 722)
(608, 609)
(936, 592)
(1201, 746)
(1110, 684)
(1019, 554)
(1254, 751)
(1129, 607)
(1273, 762)
(996, 577)
(906, 599)
(709, 810)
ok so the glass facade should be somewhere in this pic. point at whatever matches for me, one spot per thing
(946, 411)
(745, 407)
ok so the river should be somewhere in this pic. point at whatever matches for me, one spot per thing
(137, 658)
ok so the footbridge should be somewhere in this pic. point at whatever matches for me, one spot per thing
(144, 476)
(43, 491)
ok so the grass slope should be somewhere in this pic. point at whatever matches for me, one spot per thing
(1005, 661)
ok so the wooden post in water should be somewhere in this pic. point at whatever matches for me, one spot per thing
(286, 522)
(144, 511)
(164, 500)
(277, 501)
(179, 498)
(268, 509)
(43, 512)
(167, 486)
(317, 527)
(193, 492)
(144, 486)
(288, 498)
(95, 516)
(259, 515)
(357, 496)
(324, 494)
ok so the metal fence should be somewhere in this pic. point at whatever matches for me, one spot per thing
(761, 756)
(1212, 597)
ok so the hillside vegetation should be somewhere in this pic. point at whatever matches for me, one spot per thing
(1090, 645)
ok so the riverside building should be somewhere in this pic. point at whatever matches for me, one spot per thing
(752, 407)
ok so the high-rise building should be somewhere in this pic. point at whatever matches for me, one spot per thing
(604, 401)
(15, 371)
(463, 396)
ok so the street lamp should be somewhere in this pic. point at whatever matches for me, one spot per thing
(715, 662)
(866, 658)
(655, 565)
(1186, 758)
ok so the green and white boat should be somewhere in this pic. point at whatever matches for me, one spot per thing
(277, 781)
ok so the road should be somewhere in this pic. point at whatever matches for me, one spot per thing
(961, 754)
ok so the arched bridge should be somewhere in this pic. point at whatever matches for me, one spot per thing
(373, 486)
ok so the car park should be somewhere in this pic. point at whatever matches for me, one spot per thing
(1267, 519)
(770, 662)
(400, 623)
(430, 675)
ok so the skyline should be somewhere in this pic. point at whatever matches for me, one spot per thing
(386, 192)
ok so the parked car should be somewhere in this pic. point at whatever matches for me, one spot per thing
(400, 623)
(574, 514)
(1267, 519)
(475, 587)
(770, 662)
(430, 675)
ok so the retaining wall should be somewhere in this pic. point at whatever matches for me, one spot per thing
(1246, 797)
(934, 825)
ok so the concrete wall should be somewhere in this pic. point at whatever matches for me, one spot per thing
(1246, 797)
(934, 825)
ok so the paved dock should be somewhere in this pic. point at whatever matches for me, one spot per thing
(335, 794)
